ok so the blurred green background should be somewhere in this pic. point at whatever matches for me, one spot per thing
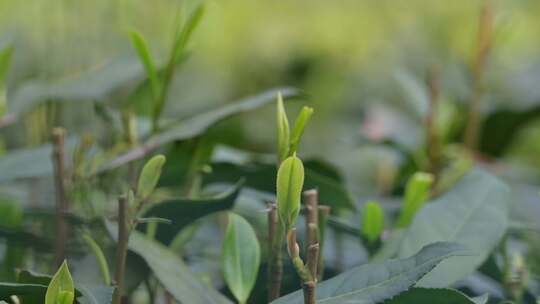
(349, 57)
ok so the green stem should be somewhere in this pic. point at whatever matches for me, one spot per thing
(100, 257)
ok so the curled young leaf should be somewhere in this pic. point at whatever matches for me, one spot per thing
(149, 176)
(282, 129)
(372, 221)
(416, 194)
(290, 181)
(298, 129)
(240, 258)
(60, 289)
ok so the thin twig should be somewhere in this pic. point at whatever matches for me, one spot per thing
(484, 44)
(324, 213)
(275, 264)
(58, 135)
(121, 250)
(311, 198)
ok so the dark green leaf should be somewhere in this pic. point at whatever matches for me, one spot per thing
(182, 212)
(474, 213)
(372, 283)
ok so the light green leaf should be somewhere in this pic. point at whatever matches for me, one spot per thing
(172, 273)
(438, 296)
(373, 283)
(372, 221)
(416, 194)
(240, 257)
(290, 181)
(197, 125)
(474, 213)
(298, 129)
(185, 34)
(5, 61)
(100, 257)
(282, 129)
(140, 45)
(150, 176)
(60, 289)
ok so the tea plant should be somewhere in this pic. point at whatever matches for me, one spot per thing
(150, 208)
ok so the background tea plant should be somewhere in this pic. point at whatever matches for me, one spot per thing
(433, 200)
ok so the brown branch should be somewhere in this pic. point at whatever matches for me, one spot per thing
(62, 229)
(275, 264)
(121, 250)
(324, 213)
(484, 45)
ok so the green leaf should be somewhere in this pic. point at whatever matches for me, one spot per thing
(185, 34)
(474, 213)
(262, 176)
(373, 283)
(149, 176)
(61, 289)
(196, 126)
(140, 45)
(372, 221)
(30, 293)
(416, 194)
(182, 212)
(282, 130)
(34, 162)
(438, 296)
(172, 273)
(5, 61)
(289, 184)
(298, 129)
(240, 258)
(100, 257)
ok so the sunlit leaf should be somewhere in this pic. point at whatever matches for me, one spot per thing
(60, 289)
(372, 220)
(289, 184)
(298, 129)
(416, 194)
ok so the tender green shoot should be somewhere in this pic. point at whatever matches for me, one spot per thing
(240, 257)
(100, 257)
(140, 45)
(283, 133)
(298, 129)
(61, 289)
(290, 181)
(149, 177)
(372, 221)
(417, 193)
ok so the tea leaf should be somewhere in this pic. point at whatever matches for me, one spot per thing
(172, 273)
(150, 176)
(474, 213)
(185, 34)
(372, 221)
(439, 296)
(298, 129)
(240, 257)
(373, 283)
(140, 45)
(416, 194)
(60, 289)
(290, 181)
(282, 130)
